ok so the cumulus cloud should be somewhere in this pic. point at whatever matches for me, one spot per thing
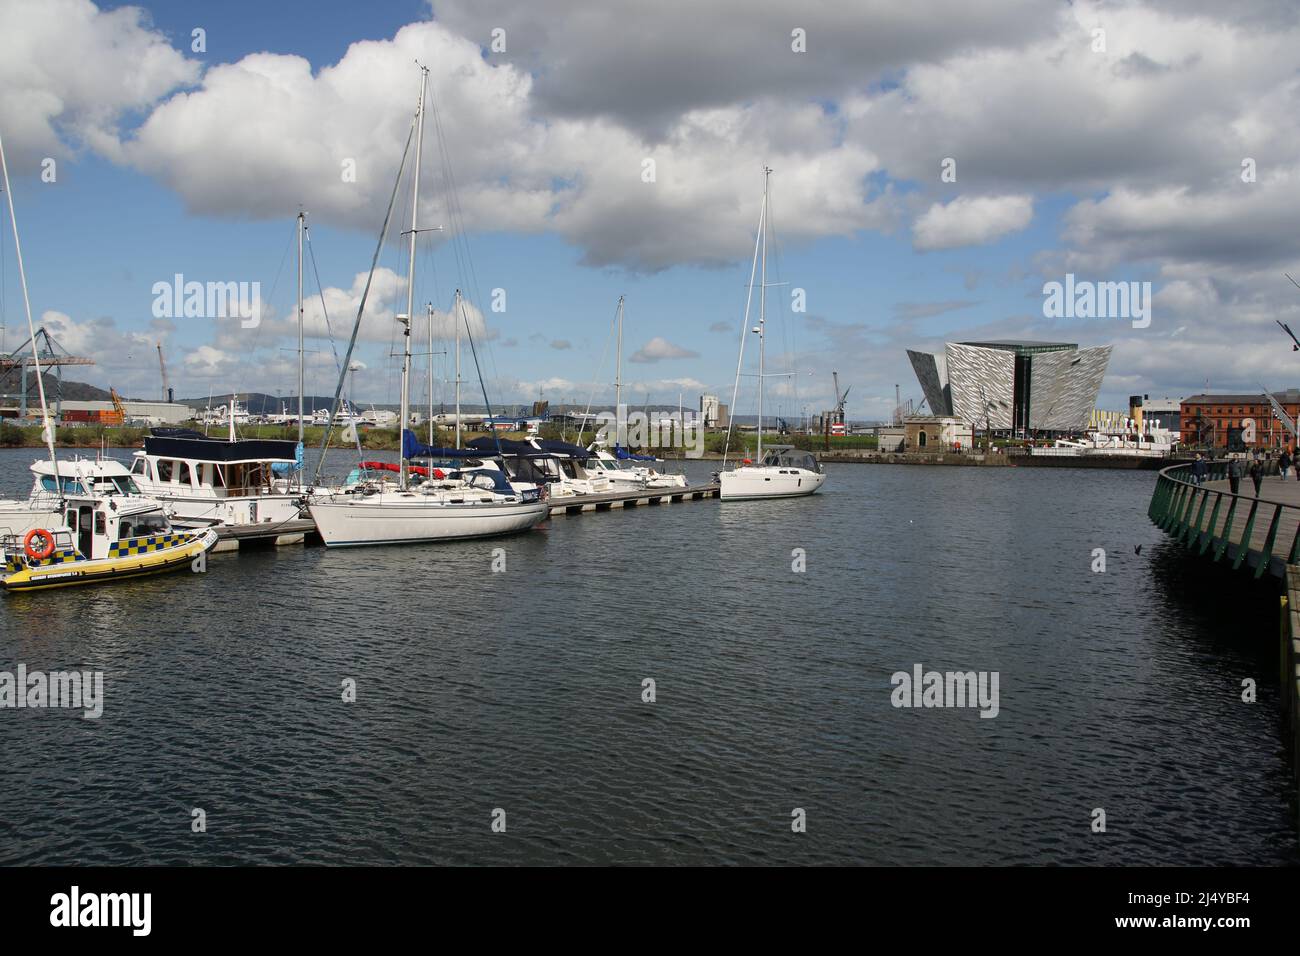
(689, 56)
(262, 135)
(70, 74)
(971, 221)
(658, 349)
(124, 358)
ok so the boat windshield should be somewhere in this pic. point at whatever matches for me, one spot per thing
(792, 458)
(116, 485)
(71, 486)
(141, 525)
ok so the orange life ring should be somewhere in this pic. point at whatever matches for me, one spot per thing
(44, 552)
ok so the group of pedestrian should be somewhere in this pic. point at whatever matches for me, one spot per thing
(1254, 468)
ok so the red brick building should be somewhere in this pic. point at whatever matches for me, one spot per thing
(1225, 421)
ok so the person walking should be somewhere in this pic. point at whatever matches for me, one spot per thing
(1199, 470)
(1284, 463)
(1256, 474)
(1234, 475)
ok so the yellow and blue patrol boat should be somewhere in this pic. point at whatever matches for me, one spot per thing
(101, 539)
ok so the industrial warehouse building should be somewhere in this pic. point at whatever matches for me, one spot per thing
(159, 413)
(1014, 387)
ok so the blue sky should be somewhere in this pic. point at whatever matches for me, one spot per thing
(175, 161)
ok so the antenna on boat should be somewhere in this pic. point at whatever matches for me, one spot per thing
(47, 430)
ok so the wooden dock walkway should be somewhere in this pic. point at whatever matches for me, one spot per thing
(235, 537)
(1261, 534)
(577, 504)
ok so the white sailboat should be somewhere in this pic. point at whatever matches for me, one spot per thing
(475, 504)
(624, 470)
(784, 471)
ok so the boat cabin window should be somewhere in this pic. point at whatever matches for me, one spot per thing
(163, 467)
(140, 467)
(792, 458)
(71, 486)
(100, 523)
(183, 476)
(140, 525)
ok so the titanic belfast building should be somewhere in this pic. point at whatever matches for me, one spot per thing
(1013, 386)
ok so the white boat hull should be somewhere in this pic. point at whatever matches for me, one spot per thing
(746, 483)
(246, 509)
(351, 521)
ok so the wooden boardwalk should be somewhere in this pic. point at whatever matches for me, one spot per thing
(1273, 490)
(577, 504)
(1262, 534)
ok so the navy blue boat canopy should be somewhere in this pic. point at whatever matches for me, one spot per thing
(488, 446)
(184, 443)
(542, 449)
(556, 447)
(411, 448)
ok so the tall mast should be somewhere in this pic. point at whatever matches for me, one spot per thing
(47, 431)
(455, 319)
(428, 308)
(762, 315)
(410, 278)
(301, 220)
(618, 360)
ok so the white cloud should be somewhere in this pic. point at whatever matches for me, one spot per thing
(71, 73)
(580, 177)
(971, 221)
(659, 348)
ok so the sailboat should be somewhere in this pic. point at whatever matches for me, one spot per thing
(619, 466)
(98, 534)
(784, 471)
(479, 503)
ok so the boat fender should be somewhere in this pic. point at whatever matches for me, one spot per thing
(46, 549)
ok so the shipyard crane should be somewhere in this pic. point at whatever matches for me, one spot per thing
(51, 355)
(841, 398)
(162, 367)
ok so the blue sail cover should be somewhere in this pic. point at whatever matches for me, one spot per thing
(488, 446)
(283, 467)
(622, 454)
(411, 448)
(563, 448)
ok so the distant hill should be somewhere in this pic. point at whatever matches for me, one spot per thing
(11, 384)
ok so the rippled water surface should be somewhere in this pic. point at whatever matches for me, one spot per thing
(522, 691)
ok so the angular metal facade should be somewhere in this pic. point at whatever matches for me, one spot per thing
(932, 373)
(1006, 386)
(983, 384)
(1063, 388)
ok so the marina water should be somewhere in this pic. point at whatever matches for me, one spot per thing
(523, 691)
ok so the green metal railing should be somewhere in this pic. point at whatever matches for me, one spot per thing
(1179, 504)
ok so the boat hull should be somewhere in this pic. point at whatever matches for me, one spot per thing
(62, 574)
(750, 484)
(361, 522)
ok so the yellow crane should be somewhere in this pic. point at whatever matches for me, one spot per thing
(118, 415)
